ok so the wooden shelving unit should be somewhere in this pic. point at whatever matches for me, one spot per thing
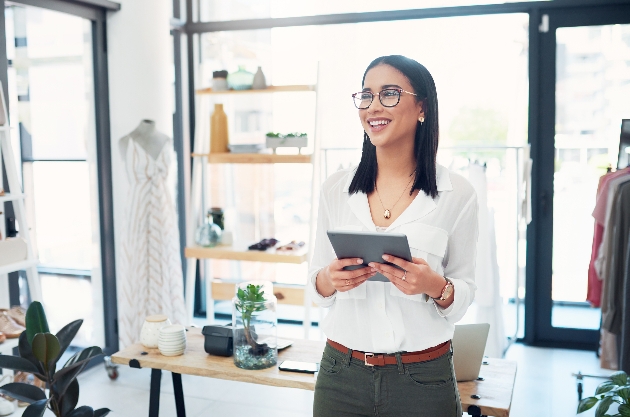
(243, 254)
(285, 293)
(254, 158)
(270, 89)
(10, 197)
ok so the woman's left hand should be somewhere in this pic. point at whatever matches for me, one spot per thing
(419, 278)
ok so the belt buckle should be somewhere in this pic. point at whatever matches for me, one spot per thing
(365, 359)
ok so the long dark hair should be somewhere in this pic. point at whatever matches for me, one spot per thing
(427, 134)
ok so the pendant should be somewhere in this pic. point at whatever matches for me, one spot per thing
(387, 214)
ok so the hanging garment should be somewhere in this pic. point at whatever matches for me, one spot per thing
(151, 280)
(624, 357)
(489, 304)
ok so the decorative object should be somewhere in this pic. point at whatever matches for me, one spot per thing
(172, 340)
(241, 79)
(218, 340)
(264, 244)
(254, 323)
(247, 148)
(259, 82)
(150, 332)
(40, 351)
(290, 140)
(218, 130)
(218, 217)
(208, 234)
(219, 80)
(616, 390)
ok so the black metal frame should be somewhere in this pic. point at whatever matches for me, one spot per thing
(96, 12)
(538, 308)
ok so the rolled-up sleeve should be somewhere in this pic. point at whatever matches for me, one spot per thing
(460, 260)
(323, 254)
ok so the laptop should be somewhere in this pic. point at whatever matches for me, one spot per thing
(469, 343)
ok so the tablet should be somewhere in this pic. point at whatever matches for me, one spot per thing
(369, 246)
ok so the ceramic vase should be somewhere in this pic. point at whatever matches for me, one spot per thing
(172, 340)
(241, 79)
(219, 130)
(150, 332)
(259, 83)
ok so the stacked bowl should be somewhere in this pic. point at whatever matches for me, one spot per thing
(172, 340)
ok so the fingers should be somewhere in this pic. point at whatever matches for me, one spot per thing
(346, 284)
(342, 263)
(398, 261)
(383, 268)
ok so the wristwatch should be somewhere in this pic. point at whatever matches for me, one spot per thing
(446, 291)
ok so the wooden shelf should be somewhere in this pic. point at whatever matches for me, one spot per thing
(243, 254)
(254, 158)
(270, 89)
(17, 266)
(285, 293)
(10, 197)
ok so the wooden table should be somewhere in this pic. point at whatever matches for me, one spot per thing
(495, 390)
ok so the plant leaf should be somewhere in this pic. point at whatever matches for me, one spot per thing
(603, 406)
(36, 409)
(102, 412)
(23, 392)
(63, 380)
(70, 398)
(66, 335)
(83, 411)
(624, 410)
(604, 387)
(35, 321)
(46, 348)
(624, 393)
(619, 378)
(17, 364)
(586, 404)
(86, 353)
(26, 352)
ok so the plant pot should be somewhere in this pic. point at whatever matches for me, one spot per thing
(254, 330)
(286, 142)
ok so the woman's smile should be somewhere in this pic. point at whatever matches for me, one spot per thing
(377, 124)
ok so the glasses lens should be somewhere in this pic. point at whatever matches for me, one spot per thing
(363, 100)
(389, 98)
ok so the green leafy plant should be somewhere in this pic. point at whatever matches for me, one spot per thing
(40, 351)
(251, 299)
(616, 390)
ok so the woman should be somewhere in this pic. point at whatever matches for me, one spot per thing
(388, 351)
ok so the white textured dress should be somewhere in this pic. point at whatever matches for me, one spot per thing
(151, 280)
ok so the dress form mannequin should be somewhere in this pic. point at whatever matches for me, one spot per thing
(147, 136)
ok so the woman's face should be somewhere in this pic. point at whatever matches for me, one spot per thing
(388, 126)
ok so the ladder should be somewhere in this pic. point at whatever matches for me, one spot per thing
(17, 197)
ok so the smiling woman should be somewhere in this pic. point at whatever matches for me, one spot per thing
(400, 331)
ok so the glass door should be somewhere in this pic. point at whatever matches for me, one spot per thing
(51, 93)
(585, 85)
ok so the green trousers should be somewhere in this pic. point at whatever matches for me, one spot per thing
(347, 387)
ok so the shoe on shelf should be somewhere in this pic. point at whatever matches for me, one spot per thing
(17, 313)
(9, 327)
(7, 407)
(28, 378)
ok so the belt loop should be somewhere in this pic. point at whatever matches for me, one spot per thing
(348, 358)
(401, 367)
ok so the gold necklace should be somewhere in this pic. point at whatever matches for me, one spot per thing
(388, 213)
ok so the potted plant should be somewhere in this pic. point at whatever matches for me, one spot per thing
(278, 140)
(615, 391)
(254, 327)
(40, 351)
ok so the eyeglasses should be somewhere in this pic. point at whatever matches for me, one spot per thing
(389, 97)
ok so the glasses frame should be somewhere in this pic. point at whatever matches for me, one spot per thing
(400, 91)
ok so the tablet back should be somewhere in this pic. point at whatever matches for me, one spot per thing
(369, 246)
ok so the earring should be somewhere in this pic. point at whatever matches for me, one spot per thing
(421, 119)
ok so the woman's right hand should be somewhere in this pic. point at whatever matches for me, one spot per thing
(335, 278)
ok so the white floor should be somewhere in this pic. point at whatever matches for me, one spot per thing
(544, 387)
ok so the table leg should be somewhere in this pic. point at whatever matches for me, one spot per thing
(154, 397)
(179, 395)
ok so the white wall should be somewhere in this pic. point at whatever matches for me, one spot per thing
(140, 83)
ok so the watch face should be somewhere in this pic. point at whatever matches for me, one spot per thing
(448, 291)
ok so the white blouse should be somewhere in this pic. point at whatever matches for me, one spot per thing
(377, 316)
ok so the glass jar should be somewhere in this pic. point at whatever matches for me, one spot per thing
(218, 217)
(208, 234)
(254, 326)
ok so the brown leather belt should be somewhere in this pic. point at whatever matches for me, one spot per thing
(379, 359)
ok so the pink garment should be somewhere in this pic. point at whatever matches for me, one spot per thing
(594, 292)
(599, 212)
